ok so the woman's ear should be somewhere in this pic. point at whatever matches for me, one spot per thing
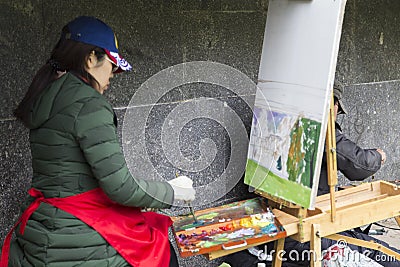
(91, 60)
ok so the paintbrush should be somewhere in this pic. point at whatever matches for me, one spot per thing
(189, 203)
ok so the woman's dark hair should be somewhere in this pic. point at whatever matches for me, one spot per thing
(67, 55)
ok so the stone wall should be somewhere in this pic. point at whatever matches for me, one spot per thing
(155, 36)
(369, 68)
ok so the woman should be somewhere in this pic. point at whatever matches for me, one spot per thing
(84, 206)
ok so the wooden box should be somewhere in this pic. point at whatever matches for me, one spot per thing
(226, 227)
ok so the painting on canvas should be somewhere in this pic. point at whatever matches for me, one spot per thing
(292, 101)
(283, 154)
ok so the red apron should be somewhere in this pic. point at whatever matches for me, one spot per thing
(141, 238)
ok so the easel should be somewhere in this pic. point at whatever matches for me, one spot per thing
(315, 231)
(334, 212)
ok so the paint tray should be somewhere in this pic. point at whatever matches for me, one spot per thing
(226, 227)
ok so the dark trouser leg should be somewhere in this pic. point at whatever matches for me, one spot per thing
(377, 256)
(173, 261)
(241, 259)
(299, 253)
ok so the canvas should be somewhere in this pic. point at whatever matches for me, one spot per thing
(291, 109)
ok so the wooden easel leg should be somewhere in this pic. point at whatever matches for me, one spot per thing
(397, 220)
(279, 245)
(315, 246)
(331, 157)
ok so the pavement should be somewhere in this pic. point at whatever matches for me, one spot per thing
(390, 236)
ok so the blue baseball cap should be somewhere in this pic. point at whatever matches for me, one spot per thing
(90, 30)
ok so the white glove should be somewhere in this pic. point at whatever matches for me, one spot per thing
(183, 188)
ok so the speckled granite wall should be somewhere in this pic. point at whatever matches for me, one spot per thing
(156, 35)
(368, 66)
(373, 122)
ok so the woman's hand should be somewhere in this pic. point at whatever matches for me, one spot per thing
(183, 188)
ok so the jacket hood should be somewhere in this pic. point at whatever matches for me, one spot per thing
(60, 94)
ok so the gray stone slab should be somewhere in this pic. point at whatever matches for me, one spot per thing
(19, 53)
(373, 122)
(234, 39)
(15, 172)
(199, 138)
(369, 43)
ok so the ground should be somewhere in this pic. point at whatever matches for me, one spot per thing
(390, 236)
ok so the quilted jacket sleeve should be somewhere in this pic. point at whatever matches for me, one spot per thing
(96, 134)
(355, 162)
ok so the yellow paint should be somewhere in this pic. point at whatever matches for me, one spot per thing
(246, 222)
(259, 220)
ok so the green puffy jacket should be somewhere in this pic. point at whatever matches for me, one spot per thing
(75, 149)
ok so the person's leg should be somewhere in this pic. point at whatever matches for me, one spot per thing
(300, 254)
(241, 259)
(295, 254)
(377, 256)
(173, 260)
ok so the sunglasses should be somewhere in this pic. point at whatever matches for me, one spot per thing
(115, 67)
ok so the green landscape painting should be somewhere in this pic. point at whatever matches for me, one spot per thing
(283, 163)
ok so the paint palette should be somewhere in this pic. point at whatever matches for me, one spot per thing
(226, 227)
